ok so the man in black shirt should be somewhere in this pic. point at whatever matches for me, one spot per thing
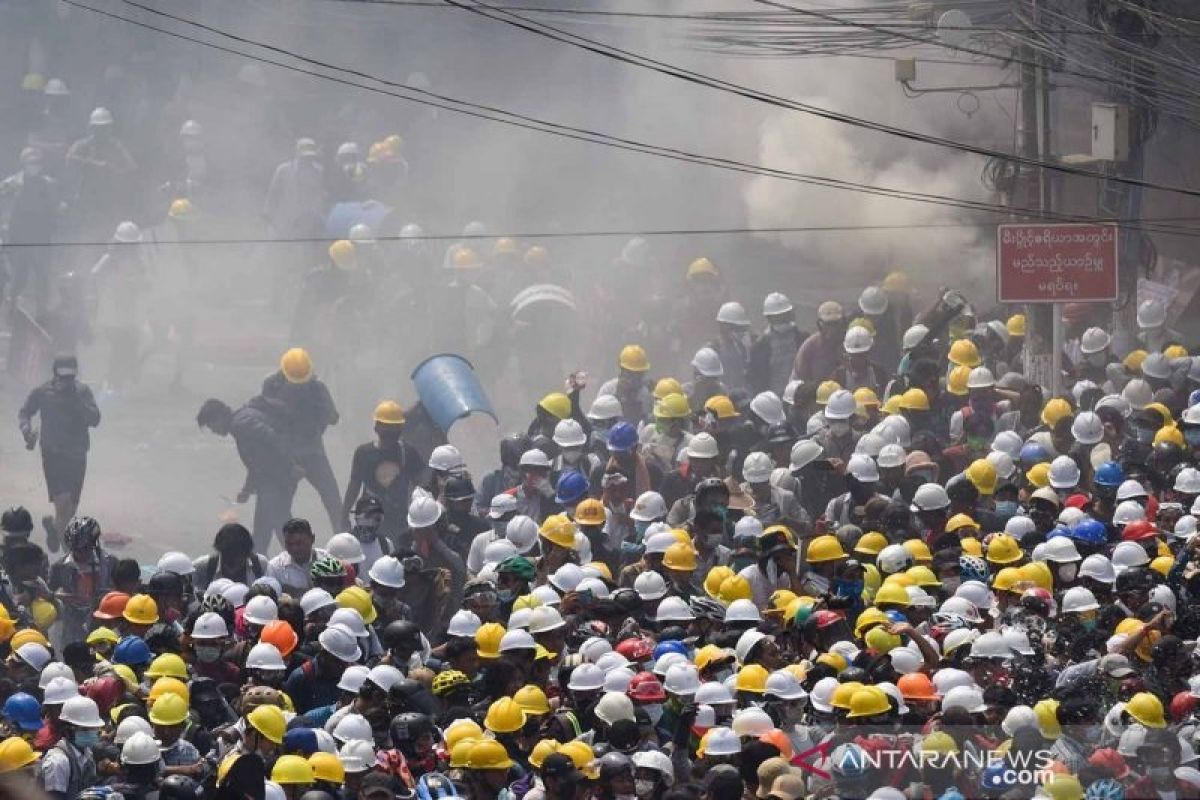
(68, 409)
(387, 469)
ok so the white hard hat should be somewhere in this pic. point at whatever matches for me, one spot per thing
(742, 611)
(990, 645)
(617, 679)
(873, 300)
(804, 452)
(100, 116)
(682, 679)
(895, 429)
(360, 232)
(1156, 365)
(545, 619)
(387, 571)
(783, 684)
(385, 676)
(604, 407)
(702, 445)
(658, 761)
(522, 531)
(612, 660)
(1127, 555)
(1003, 464)
(314, 599)
(614, 706)
(948, 678)
(55, 669)
(857, 340)
(863, 468)
(869, 444)
(265, 656)
(776, 303)
(176, 562)
(235, 593)
(674, 609)
(59, 690)
(129, 726)
(1130, 489)
(757, 466)
(708, 363)
(1116, 402)
(354, 727)
(496, 551)
(1099, 568)
(891, 456)
(517, 639)
(893, 558)
(914, 336)
(1094, 340)
(1138, 394)
(534, 458)
(732, 313)
(412, 231)
(962, 607)
(349, 620)
(346, 547)
(648, 507)
(569, 433)
(650, 585)
(128, 232)
(751, 721)
(593, 648)
(980, 378)
(446, 458)
(1018, 717)
(1077, 599)
(1088, 428)
(747, 528)
(747, 642)
(260, 610)
(768, 407)
(1128, 511)
(1009, 442)
(586, 677)
(210, 625)
(464, 623)
(1151, 313)
(141, 749)
(357, 755)
(566, 578)
(930, 497)
(822, 693)
(968, 698)
(1060, 550)
(82, 712)
(714, 693)
(919, 597)
(977, 594)
(423, 512)
(340, 643)
(1017, 641)
(1185, 526)
(56, 88)
(1064, 473)
(841, 405)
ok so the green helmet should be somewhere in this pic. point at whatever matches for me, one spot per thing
(327, 567)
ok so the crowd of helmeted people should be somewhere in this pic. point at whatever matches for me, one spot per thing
(919, 577)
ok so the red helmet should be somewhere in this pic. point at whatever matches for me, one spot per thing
(1080, 501)
(1111, 761)
(824, 618)
(105, 691)
(637, 650)
(646, 688)
(1139, 531)
(1182, 706)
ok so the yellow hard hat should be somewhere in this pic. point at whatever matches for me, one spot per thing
(1169, 434)
(902, 579)
(870, 617)
(168, 665)
(544, 748)
(341, 253)
(1133, 360)
(897, 282)
(1006, 579)
(673, 406)
(842, 694)
(923, 576)
(590, 511)
(956, 382)
(296, 365)
(666, 386)
(532, 700)
(165, 686)
(462, 728)
(1146, 709)
(869, 701)
(505, 716)
(389, 412)
(180, 209)
(701, 266)
(327, 767)
(863, 322)
(971, 546)
(711, 653)
(824, 548)
(1038, 574)
(44, 613)
(125, 673)
(1175, 351)
(752, 678)
(557, 528)
(892, 594)
(715, 577)
(1039, 475)
(582, 756)
(1163, 411)
(633, 359)
(462, 751)
(488, 754)
(871, 577)
(780, 599)
(892, 405)
(964, 353)
(601, 567)
(141, 610)
(529, 601)
(15, 753)
(825, 389)
(556, 404)
(983, 475)
(865, 397)
(1003, 549)
(1016, 325)
(1060, 786)
(33, 82)
(870, 543)
(170, 709)
(466, 258)
(939, 742)
(1047, 718)
(292, 770)
(1162, 564)
(1055, 409)
(918, 550)
(102, 635)
(359, 599)
(536, 256)
(733, 588)
(506, 246)
(487, 639)
(721, 407)
(269, 721)
(960, 521)
(680, 556)
(914, 400)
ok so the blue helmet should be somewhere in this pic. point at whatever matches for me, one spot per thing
(1033, 453)
(622, 438)
(895, 616)
(300, 741)
(435, 785)
(972, 568)
(1194, 398)
(1089, 531)
(572, 487)
(1104, 789)
(670, 646)
(998, 777)
(24, 711)
(1110, 473)
(132, 652)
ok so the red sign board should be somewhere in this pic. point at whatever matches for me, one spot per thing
(1056, 263)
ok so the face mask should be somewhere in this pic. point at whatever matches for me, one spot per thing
(542, 485)
(839, 428)
(506, 595)
(643, 788)
(1192, 436)
(825, 726)
(1007, 508)
(364, 533)
(713, 540)
(85, 739)
(654, 711)
(207, 653)
(781, 327)
(571, 455)
(1067, 572)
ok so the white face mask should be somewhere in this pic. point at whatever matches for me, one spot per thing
(643, 788)
(654, 711)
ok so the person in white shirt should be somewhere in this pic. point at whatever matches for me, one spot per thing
(291, 566)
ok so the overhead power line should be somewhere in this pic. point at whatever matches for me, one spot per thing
(690, 76)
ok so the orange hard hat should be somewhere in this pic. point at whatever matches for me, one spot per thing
(916, 686)
(112, 606)
(781, 741)
(282, 635)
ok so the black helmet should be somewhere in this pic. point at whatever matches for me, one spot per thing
(459, 488)
(368, 504)
(712, 485)
(1134, 579)
(511, 449)
(165, 583)
(316, 794)
(17, 520)
(409, 726)
(781, 433)
(614, 764)
(402, 634)
(81, 532)
(178, 787)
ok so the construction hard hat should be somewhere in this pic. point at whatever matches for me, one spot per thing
(141, 610)
(569, 433)
(733, 588)
(1088, 428)
(916, 686)
(1147, 709)
(980, 378)
(733, 313)
(841, 405)
(752, 677)
(1055, 409)
(1169, 434)
(721, 407)
(140, 749)
(914, 400)
(893, 594)
(558, 529)
(1094, 340)
(633, 359)
(169, 709)
(505, 716)
(824, 548)
(956, 381)
(487, 639)
(447, 458)
(1151, 314)
(873, 300)
(857, 340)
(389, 412)
(1064, 473)
(81, 712)
(180, 208)
(870, 543)
(930, 497)
(342, 254)
(893, 559)
(701, 267)
(296, 365)
(1016, 325)
(423, 511)
(868, 701)
(673, 406)
(100, 116)
(964, 353)
(168, 665)
(292, 770)
(708, 363)
(757, 467)
(556, 404)
(983, 476)
(681, 557)
(776, 303)
(1003, 549)
(590, 512)
(863, 468)
(269, 721)
(16, 753)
